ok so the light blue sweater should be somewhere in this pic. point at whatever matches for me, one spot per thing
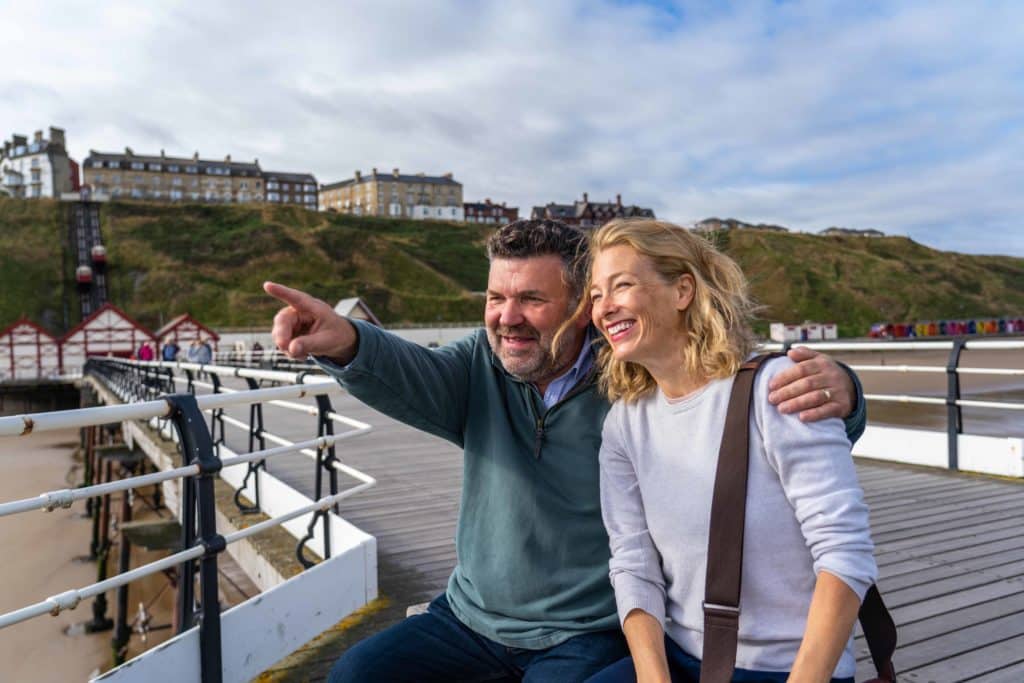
(805, 513)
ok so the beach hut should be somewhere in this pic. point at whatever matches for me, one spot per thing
(933, 329)
(355, 307)
(107, 332)
(27, 351)
(183, 330)
(784, 332)
(830, 331)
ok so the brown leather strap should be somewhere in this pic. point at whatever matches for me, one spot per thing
(725, 534)
(725, 550)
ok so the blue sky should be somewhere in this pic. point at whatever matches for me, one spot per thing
(906, 117)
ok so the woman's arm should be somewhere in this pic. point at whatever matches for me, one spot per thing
(830, 620)
(647, 646)
(635, 565)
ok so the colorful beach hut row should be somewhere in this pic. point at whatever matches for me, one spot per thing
(28, 351)
(948, 328)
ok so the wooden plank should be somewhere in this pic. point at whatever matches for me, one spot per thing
(950, 602)
(925, 574)
(967, 665)
(1014, 673)
(951, 584)
(936, 543)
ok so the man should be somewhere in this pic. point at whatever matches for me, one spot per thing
(530, 597)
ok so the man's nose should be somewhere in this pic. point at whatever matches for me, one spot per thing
(511, 313)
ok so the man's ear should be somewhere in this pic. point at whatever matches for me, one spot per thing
(685, 289)
(583, 317)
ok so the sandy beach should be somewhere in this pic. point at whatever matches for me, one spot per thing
(39, 549)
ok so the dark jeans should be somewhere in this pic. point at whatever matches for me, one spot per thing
(686, 669)
(436, 646)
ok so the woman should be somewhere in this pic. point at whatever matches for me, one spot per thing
(675, 314)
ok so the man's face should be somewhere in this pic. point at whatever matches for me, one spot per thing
(527, 301)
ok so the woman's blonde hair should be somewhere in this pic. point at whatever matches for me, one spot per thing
(717, 322)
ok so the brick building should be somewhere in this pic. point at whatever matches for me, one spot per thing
(587, 214)
(192, 179)
(395, 194)
(489, 212)
(291, 188)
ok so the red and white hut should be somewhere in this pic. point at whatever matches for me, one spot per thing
(27, 351)
(107, 332)
(183, 330)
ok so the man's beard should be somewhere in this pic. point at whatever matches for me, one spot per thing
(538, 363)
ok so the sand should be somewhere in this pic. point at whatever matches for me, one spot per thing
(39, 549)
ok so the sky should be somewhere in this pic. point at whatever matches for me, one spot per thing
(906, 117)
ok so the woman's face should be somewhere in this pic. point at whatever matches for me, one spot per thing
(635, 309)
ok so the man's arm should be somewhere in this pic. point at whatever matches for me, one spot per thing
(818, 387)
(422, 388)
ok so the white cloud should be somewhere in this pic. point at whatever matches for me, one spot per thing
(900, 117)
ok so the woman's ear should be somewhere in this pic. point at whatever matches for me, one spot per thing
(685, 289)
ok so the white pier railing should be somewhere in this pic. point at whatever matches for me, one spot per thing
(248, 638)
(953, 450)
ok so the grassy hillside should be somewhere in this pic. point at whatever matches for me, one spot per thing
(211, 261)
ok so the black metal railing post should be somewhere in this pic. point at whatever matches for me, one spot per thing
(954, 415)
(256, 436)
(216, 417)
(325, 459)
(199, 505)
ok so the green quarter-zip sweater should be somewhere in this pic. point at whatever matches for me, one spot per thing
(532, 549)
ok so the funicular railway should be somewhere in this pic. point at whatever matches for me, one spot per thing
(947, 540)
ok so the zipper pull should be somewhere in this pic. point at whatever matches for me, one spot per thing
(538, 438)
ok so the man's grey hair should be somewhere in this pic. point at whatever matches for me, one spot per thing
(543, 237)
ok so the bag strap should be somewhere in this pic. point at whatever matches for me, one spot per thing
(725, 550)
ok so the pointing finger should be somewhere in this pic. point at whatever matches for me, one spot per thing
(295, 298)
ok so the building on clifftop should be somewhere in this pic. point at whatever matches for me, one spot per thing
(396, 195)
(37, 169)
(588, 214)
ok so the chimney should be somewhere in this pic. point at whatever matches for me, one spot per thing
(359, 176)
(585, 199)
(447, 175)
(195, 156)
(57, 136)
(162, 154)
(487, 201)
(128, 151)
(37, 136)
(618, 199)
(256, 162)
(374, 172)
(227, 159)
(395, 173)
(503, 205)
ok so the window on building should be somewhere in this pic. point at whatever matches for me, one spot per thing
(113, 164)
(154, 167)
(174, 168)
(156, 180)
(175, 181)
(191, 169)
(310, 188)
(116, 178)
(138, 166)
(272, 185)
(176, 195)
(244, 185)
(136, 193)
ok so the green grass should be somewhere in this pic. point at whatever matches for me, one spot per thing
(212, 260)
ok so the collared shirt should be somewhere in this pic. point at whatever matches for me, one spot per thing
(561, 386)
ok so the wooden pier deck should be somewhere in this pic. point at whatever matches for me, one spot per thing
(949, 547)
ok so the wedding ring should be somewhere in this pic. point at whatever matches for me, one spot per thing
(828, 395)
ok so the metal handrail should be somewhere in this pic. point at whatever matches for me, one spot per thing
(134, 379)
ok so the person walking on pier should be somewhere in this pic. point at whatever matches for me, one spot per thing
(530, 596)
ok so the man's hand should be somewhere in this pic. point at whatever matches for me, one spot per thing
(816, 387)
(310, 327)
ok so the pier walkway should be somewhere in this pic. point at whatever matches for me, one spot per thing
(949, 548)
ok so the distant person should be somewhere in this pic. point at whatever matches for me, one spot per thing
(145, 352)
(193, 352)
(675, 317)
(257, 352)
(204, 354)
(530, 596)
(170, 351)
